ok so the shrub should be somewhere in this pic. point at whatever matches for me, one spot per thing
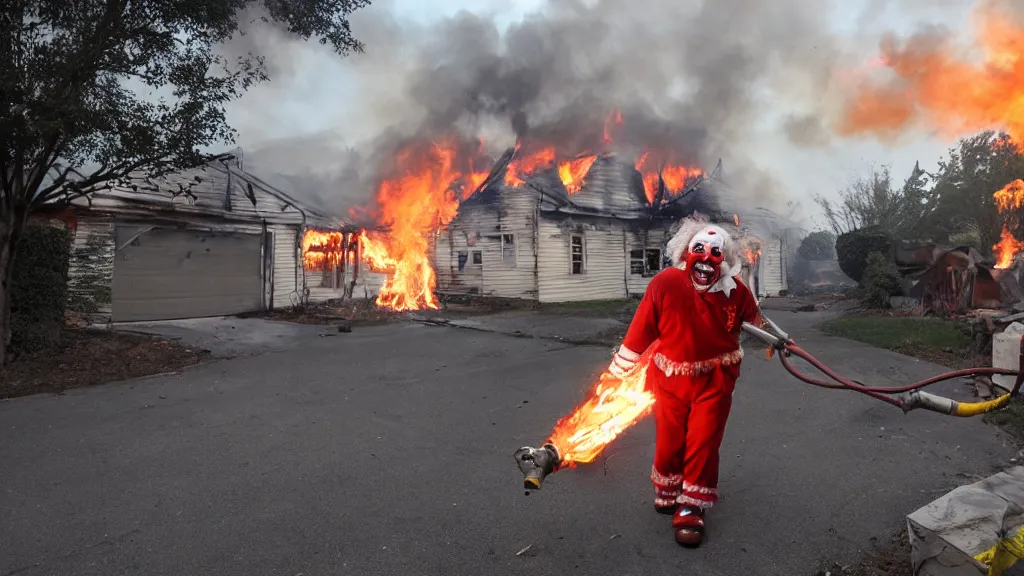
(853, 248)
(820, 245)
(39, 285)
(881, 281)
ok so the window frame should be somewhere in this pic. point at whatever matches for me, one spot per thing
(583, 254)
(514, 252)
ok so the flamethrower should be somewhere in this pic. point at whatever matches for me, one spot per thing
(613, 406)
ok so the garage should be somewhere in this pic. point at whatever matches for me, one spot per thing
(167, 274)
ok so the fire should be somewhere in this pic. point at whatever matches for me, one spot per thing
(736, 220)
(322, 250)
(611, 407)
(675, 176)
(1011, 197)
(417, 200)
(752, 255)
(990, 93)
(572, 172)
(528, 163)
(1006, 249)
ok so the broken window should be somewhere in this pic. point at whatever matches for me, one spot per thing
(478, 257)
(463, 258)
(577, 253)
(508, 249)
(645, 261)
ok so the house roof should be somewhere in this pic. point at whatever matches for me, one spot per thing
(612, 189)
(219, 189)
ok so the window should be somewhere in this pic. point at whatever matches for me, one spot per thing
(645, 261)
(478, 257)
(463, 257)
(577, 253)
(508, 249)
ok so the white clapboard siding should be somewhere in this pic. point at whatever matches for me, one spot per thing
(604, 277)
(771, 273)
(287, 287)
(515, 279)
(479, 228)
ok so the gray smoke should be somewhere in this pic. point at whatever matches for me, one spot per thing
(693, 78)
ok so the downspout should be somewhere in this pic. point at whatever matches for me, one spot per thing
(625, 264)
(267, 270)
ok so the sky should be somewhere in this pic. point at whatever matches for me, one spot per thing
(324, 96)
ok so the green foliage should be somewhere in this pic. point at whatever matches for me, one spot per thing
(819, 245)
(126, 85)
(39, 288)
(872, 202)
(881, 281)
(853, 248)
(965, 184)
(970, 238)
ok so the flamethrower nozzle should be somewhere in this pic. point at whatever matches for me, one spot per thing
(536, 464)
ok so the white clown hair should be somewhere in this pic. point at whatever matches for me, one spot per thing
(695, 227)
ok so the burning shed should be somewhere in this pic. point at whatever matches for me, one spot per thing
(592, 230)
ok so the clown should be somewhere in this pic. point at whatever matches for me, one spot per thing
(692, 313)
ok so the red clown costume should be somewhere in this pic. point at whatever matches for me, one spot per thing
(692, 313)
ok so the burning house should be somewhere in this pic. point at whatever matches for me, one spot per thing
(590, 231)
(211, 241)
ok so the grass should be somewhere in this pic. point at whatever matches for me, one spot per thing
(946, 342)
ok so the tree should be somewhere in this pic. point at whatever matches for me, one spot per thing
(965, 184)
(818, 245)
(71, 113)
(871, 201)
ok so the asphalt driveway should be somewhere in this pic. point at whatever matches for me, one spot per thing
(389, 451)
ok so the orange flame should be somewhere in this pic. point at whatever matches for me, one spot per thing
(1006, 249)
(676, 176)
(990, 93)
(573, 172)
(522, 166)
(417, 200)
(1010, 197)
(322, 250)
(752, 255)
(610, 408)
(736, 220)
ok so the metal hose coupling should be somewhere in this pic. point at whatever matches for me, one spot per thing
(536, 464)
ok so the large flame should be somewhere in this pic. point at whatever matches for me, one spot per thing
(322, 250)
(1009, 198)
(935, 86)
(572, 172)
(676, 176)
(610, 408)
(418, 199)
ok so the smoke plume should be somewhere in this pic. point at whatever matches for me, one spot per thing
(703, 79)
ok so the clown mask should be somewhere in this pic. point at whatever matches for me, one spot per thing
(704, 257)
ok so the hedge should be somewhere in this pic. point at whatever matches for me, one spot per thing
(853, 248)
(39, 287)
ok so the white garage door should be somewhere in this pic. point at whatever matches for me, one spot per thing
(171, 274)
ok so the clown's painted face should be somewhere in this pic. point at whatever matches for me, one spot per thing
(704, 257)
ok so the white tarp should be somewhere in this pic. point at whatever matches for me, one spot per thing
(965, 531)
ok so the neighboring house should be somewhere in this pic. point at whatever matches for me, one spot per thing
(210, 241)
(537, 242)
